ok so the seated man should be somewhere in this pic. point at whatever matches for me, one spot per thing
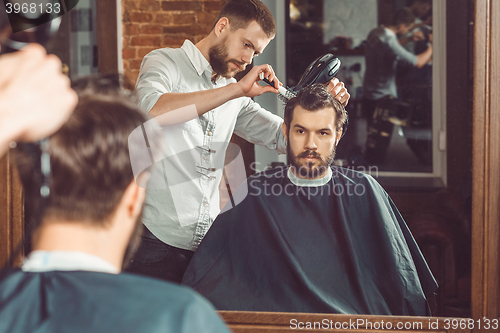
(312, 237)
(71, 282)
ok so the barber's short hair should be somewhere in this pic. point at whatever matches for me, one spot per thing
(403, 16)
(89, 155)
(314, 98)
(241, 13)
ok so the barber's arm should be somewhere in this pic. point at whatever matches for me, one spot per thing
(35, 96)
(424, 57)
(408, 57)
(159, 78)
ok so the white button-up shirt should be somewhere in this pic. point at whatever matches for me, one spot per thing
(181, 214)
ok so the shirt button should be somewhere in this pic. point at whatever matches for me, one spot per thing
(205, 158)
(205, 204)
(209, 133)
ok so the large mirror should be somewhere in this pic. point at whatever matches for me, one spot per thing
(435, 199)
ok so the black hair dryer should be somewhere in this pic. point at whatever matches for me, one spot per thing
(321, 70)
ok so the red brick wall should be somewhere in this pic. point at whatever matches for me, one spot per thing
(152, 24)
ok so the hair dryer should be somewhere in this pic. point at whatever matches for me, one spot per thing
(321, 70)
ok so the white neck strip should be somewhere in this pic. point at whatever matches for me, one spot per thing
(309, 182)
(44, 261)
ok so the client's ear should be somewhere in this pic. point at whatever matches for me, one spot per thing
(133, 199)
(339, 135)
(284, 129)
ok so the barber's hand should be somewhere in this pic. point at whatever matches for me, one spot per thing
(418, 35)
(250, 86)
(35, 96)
(338, 90)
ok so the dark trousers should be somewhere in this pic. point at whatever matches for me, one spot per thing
(159, 260)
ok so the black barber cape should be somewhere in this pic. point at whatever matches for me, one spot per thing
(339, 248)
(81, 301)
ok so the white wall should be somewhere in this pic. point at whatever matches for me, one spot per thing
(350, 18)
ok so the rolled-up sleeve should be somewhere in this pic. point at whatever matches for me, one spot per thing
(401, 53)
(156, 77)
(259, 126)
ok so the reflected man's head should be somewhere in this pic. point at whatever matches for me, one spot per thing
(243, 29)
(421, 7)
(403, 21)
(313, 126)
(91, 175)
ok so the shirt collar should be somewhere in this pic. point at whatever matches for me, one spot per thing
(309, 182)
(44, 261)
(200, 63)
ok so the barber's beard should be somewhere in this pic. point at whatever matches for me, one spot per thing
(306, 169)
(134, 242)
(219, 61)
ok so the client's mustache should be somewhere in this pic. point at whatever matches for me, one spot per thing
(309, 153)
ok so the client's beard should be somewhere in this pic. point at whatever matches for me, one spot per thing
(134, 242)
(308, 170)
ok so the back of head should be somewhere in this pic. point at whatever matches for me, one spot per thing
(313, 98)
(241, 13)
(420, 8)
(403, 16)
(89, 156)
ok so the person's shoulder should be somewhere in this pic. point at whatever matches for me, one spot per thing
(377, 32)
(354, 176)
(147, 290)
(165, 55)
(192, 309)
(9, 276)
(163, 288)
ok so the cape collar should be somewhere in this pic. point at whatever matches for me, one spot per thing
(309, 182)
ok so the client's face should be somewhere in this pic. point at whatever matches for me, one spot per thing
(312, 142)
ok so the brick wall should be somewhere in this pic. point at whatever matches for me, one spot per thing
(152, 24)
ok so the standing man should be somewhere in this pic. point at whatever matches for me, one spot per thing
(201, 75)
(383, 53)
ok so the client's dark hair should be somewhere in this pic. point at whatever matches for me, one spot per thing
(241, 13)
(403, 16)
(89, 155)
(313, 98)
